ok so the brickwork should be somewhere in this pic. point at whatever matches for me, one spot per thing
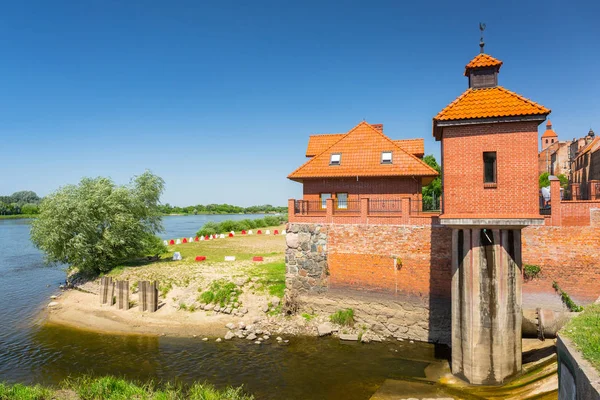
(516, 192)
(375, 188)
(577, 213)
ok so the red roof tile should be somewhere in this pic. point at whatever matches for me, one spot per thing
(360, 151)
(319, 143)
(482, 61)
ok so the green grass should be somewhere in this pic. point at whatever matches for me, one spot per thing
(271, 277)
(111, 388)
(221, 292)
(18, 216)
(571, 305)
(23, 392)
(584, 331)
(343, 317)
(308, 317)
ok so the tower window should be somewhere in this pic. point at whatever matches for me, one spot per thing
(336, 159)
(546, 141)
(386, 157)
(489, 167)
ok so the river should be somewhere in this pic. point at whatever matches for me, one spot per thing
(32, 351)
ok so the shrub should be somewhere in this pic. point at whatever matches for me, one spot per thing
(247, 224)
(531, 271)
(343, 317)
(260, 223)
(571, 305)
(221, 292)
(228, 226)
(272, 220)
(209, 228)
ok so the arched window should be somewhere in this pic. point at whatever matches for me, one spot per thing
(546, 141)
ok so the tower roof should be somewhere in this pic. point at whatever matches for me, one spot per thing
(482, 60)
(549, 132)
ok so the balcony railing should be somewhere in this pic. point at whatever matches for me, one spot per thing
(347, 207)
(309, 207)
(385, 206)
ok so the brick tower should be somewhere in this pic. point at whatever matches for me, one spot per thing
(489, 142)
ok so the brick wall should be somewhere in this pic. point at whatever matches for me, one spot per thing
(516, 192)
(375, 188)
(577, 213)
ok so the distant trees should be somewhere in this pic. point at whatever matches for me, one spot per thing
(544, 180)
(24, 202)
(96, 224)
(220, 209)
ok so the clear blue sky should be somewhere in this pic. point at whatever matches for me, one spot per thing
(219, 97)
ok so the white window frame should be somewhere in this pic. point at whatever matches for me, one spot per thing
(385, 160)
(324, 197)
(344, 205)
(337, 161)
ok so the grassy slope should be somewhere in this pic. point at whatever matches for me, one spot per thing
(584, 330)
(18, 216)
(87, 388)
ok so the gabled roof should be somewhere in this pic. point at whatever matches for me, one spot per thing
(360, 151)
(319, 143)
(489, 103)
(482, 61)
(549, 132)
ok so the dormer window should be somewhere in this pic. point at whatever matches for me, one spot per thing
(386, 157)
(336, 159)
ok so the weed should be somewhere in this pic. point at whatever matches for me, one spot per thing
(343, 317)
(571, 305)
(183, 307)
(308, 317)
(531, 271)
(166, 288)
(221, 292)
(275, 311)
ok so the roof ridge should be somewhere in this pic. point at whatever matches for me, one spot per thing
(326, 134)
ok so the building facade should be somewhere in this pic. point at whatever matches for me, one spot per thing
(554, 158)
(585, 168)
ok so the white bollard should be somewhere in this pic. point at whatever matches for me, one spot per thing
(268, 232)
(201, 238)
(222, 236)
(178, 241)
(250, 232)
(176, 256)
(191, 239)
(283, 232)
(232, 232)
(210, 237)
(229, 258)
(166, 243)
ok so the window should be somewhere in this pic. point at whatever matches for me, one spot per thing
(386, 157)
(324, 197)
(489, 167)
(552, 140)
(342, 200)
(336, 159)
(546, 141)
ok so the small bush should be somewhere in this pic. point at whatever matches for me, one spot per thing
(221, 292)
(228, 226)
(571, 305)
(343, 317)
(272, 220)
(209, 228)
(307, 316)
(260, 223)
(207, 297)
(531, 271)
(248, 224)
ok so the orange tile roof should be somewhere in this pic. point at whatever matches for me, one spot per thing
(360, 151)
(482, 61)
(488, 103)
(318, 143)
(594, 145)
(549, 133)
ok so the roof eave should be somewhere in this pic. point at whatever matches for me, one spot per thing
(438, 125)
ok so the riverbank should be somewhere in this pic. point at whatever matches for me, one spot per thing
(18, 216)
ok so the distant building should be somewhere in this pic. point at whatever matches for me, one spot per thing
(585, 167)
(554, 157)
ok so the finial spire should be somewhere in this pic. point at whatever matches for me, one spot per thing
(481, 42)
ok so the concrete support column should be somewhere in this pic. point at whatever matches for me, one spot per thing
(486, 304)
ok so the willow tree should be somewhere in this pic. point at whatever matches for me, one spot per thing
(97, 224)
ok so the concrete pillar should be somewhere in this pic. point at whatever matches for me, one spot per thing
(486, 304)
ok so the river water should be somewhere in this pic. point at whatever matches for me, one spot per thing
(32, 351)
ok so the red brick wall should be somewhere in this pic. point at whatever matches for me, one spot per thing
(577, 213)
(567, 255)
(516, 194)
(361, 257)
(375, 188)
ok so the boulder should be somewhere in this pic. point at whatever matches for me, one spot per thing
(230, 325)
(251, 336)
(229, 335)
(349, 336)
(53, 304)
(292, 240)
(265, 308)
(325, 329)
(209, 307)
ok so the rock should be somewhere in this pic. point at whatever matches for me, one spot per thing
(230, 326)
(275, 301)
(236, 305)
(292, 240)
(400, 339)
(209, 307)
(412, 341)
(250, 327)
(251, 336)
(53, 297)
(349, 336)
(257, 342)
(258, 331)
(265, 308)
(240, 281)
(217, 309)
(239, 334)
(260, 339)
(229, 335)
(325, 329)
(218, 340)
(227, 310)
(204, 339)
(241, 325)
(279, 339)
(53, 304)
(266, 337)
(365, 338)
(244, 310)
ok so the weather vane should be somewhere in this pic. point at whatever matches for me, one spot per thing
(481, 42)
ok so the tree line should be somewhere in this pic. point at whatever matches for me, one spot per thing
(23, 202)
(220, 209)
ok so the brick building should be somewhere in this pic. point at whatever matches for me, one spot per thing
(554, 157)
(585, 168)
(361, 164)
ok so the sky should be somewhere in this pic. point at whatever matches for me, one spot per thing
(219, 97)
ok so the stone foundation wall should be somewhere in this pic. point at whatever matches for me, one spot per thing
(306, 258)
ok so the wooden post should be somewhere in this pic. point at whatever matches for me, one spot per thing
(107, 291)
(143, 295)
(152, 296)
(123, 295)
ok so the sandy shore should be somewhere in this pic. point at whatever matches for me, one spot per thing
(82, 310)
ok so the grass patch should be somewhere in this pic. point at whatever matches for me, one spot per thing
(165, 288)
(584, 331)
(88, 388)
(308, 317)
(571, 305)
(23, 392)
(221, 292)
(343, 317)
(271, 277)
